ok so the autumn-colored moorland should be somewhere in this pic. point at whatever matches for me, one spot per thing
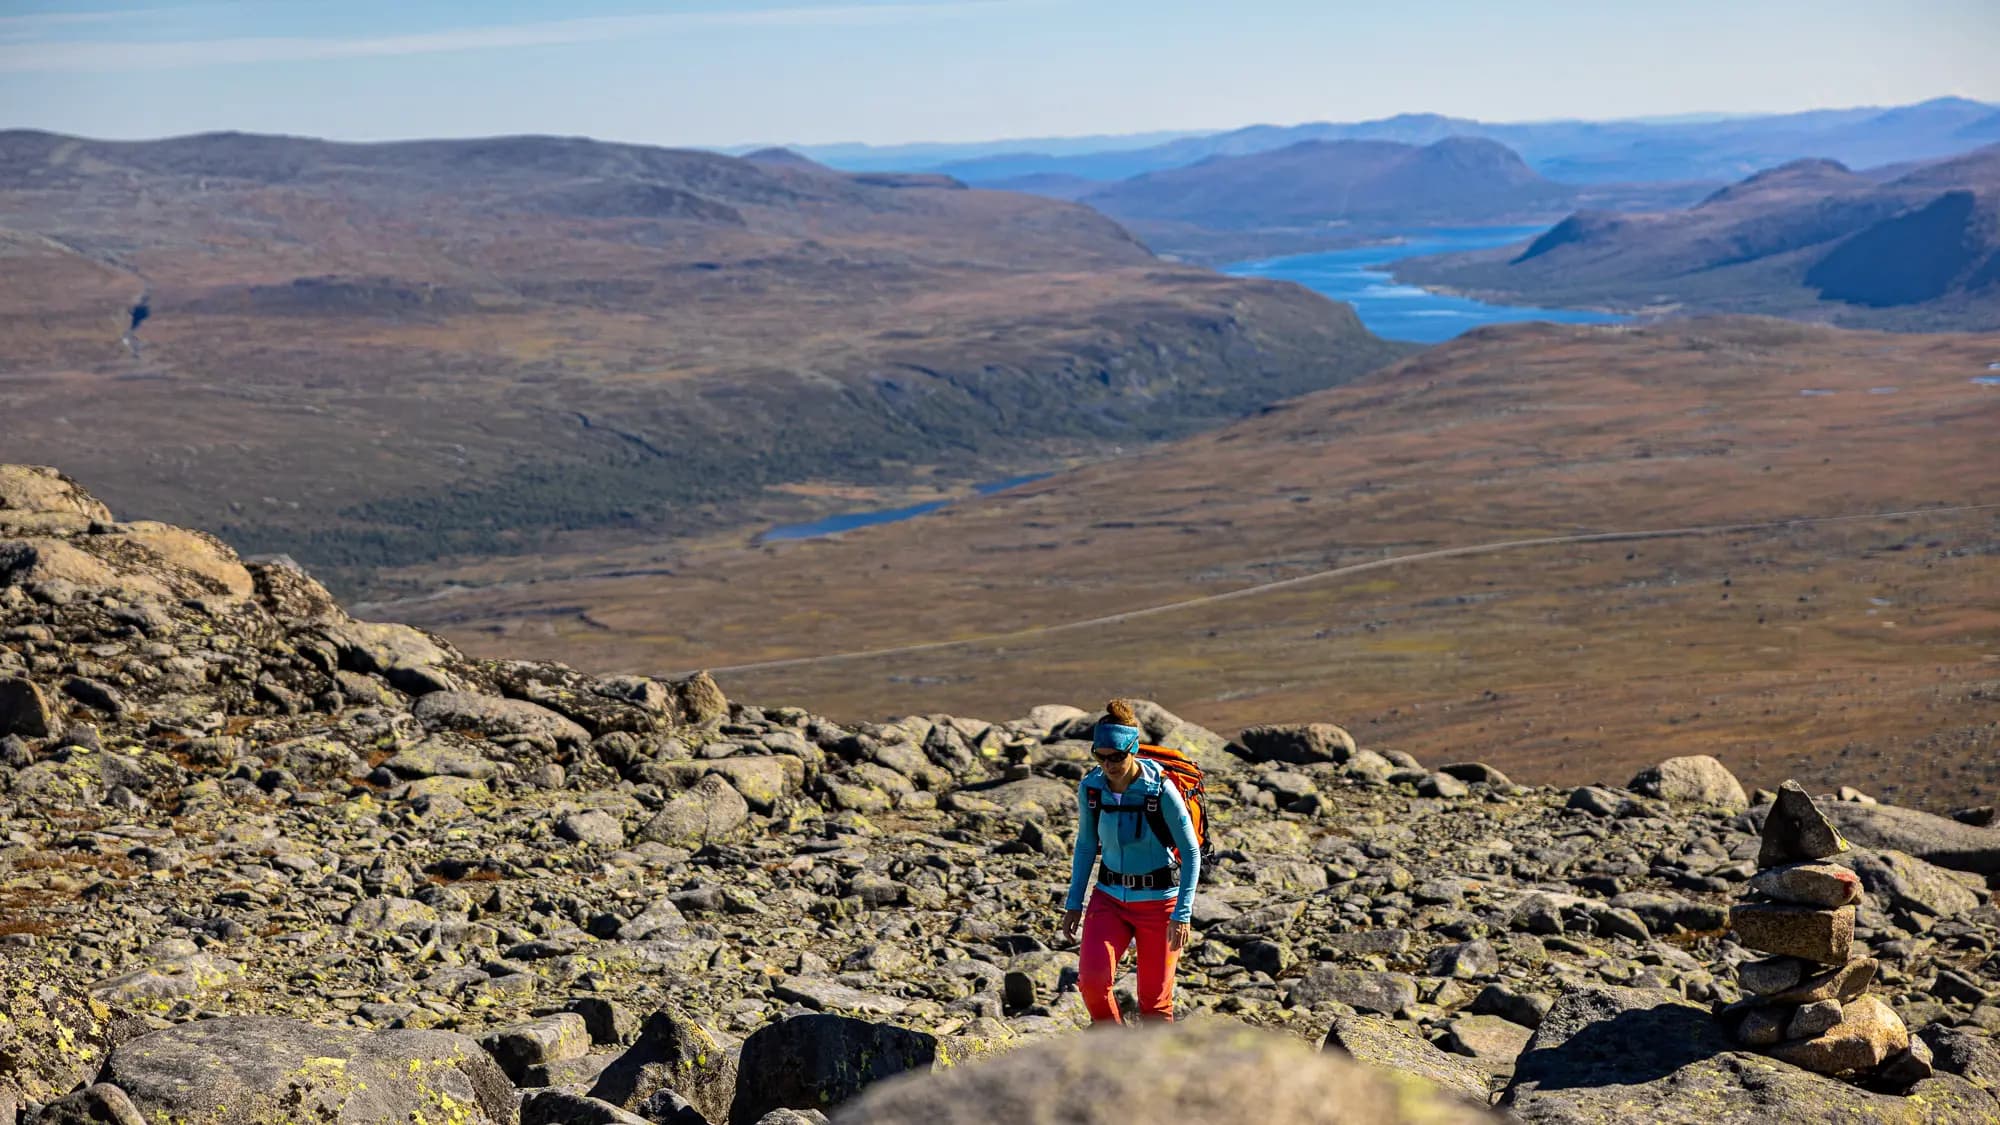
(1862, 650)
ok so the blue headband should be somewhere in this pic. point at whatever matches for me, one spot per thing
(1115, 737)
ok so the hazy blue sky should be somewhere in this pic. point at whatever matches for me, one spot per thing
(714, 73)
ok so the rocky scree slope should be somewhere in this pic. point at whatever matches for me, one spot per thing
(263, 862)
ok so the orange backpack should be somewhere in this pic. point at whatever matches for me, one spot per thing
(1185, 773)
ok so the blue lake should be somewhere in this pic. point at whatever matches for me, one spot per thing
(848, 521)
(1405, 312)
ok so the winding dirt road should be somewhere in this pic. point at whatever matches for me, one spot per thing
(1337, 572)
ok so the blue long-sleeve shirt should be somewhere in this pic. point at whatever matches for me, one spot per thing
(1129, 845)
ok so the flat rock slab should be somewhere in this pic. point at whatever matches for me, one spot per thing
(826, 994)
(1212, 1072)
(1843, 982)
(1813, 934)
(1900, 881)
(1934, 839)
(1392, 1046)
(260, 1070)
(1493, 1041)
(1808, 884)
(493, 717)
(1381, 993)
(1772, 974)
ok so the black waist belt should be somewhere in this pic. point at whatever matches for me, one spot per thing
(1160, 880)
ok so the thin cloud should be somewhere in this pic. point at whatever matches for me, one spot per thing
(101, 55)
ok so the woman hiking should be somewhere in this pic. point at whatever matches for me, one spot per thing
(1142, 894)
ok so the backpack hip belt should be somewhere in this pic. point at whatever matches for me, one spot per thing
(1156, 880)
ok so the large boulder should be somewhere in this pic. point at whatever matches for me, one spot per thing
(1213, 1072)
(24, 709)
(1605, 1053)
(1296, 743)
(38, 488)
(1934, 839)
(411, 659)
(264, 1070)
(1903, 882)
(819, 1061)
(1695, 780)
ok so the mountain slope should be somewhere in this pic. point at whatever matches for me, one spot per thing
(1787, 647)
(1808, 239)
(432, 348)
(1454, 180)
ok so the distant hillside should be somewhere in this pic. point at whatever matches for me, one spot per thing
(1708, 148)
(466, 347)
(1458, 179)
(1809, 239)
(1794, 647)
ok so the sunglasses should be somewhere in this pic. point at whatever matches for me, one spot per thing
(1110, 755)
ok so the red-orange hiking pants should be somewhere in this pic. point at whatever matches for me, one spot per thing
(1109, 926)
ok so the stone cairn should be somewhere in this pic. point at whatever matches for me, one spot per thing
(1808, 1004)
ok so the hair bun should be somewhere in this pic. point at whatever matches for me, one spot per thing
(1120, 712)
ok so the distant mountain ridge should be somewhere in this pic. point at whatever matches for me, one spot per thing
(1461, 179)
(1580, 151)
(1810, 239)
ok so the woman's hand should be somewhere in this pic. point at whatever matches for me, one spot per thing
(1178, 935)
(1072, 921)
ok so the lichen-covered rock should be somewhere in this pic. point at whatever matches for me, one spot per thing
(264, 1070)
(674, 1053)
(52, 1039)
(1215, 1072)
(1384, 1044)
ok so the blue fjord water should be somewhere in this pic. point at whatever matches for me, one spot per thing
(1396, 311)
